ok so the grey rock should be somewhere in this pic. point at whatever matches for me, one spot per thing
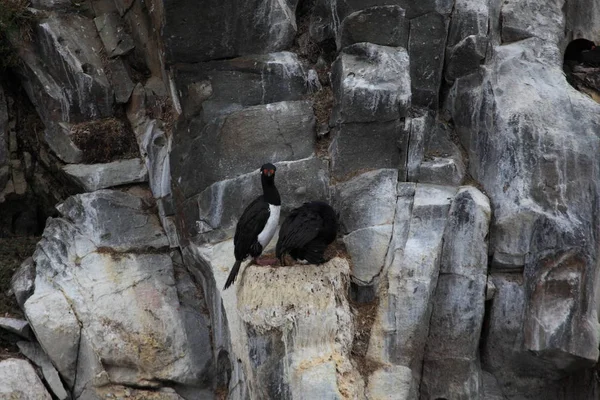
(466, 56)
(581, 19)
(58, 137)
(442, 159)
(469, 18)
(125, 392)
(531, 19)
(90, 372)
(393, 381)
(46, 93)
(327, 14)
(426, 48)
(505, 359)
(213, 213)
(382, 25)
(241, 142)
(51, 4)
(467, 38)
(442, 171)
(451, 366)
(213, 87)
(22, 282)
(120, 80)
(556, 281)
(153, 142)
(313, 297)
(16, 326)
(4, 178)
(56, 327)
(104, 289)
(370, 83)
(4, 134)
(367, 200)
(35, 353)
(19, 381)
(68, 44)
(117, 42)
(558, 178)
(368, 248)
(354, 144)
(400, 330)
(191, 34)
(419, 128)
(114, 219)
(93, 177)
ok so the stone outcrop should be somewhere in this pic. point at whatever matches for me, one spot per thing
(460, 161)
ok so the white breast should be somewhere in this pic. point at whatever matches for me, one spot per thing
(269, 230)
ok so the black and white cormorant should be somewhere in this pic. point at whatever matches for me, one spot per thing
(306, 232)
(258, 223)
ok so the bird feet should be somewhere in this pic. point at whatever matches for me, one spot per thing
(265, 261)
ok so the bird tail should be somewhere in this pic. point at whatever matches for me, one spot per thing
(314, 252)
(232, 275)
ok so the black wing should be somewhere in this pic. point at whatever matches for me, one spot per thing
(299, 228)
(251, 223)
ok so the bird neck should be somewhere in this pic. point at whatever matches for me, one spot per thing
(270, 192)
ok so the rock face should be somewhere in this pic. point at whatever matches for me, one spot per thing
(96, 265)
(461, 163)
(18, 380)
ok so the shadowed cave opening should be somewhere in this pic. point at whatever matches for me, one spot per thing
(582, 67)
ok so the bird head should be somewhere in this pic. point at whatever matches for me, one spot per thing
(268, 170)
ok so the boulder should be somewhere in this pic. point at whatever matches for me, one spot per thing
(241, 142)
(451, 362)
(426, 46)
(537, 136)
(354, 146)
(396, 380)
(113, 219)
(526, 19)
(120, 80)
(466, 57)
(153, 142)
(34, 352)
(22, 281)
(382, 25)
(442, 161)
(368, 248)
(91, 177)
(401, 326)
(58, 137)
(327, 15)
(196, 32)
(370, 83)
(113, 298)
(366, 200)
(67, 43)
(116, 40)
(16, 326)
(56, 327)
(19, 381)
(214, 87)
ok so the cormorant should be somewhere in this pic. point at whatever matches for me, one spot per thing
(306, 232)
(258, 223)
